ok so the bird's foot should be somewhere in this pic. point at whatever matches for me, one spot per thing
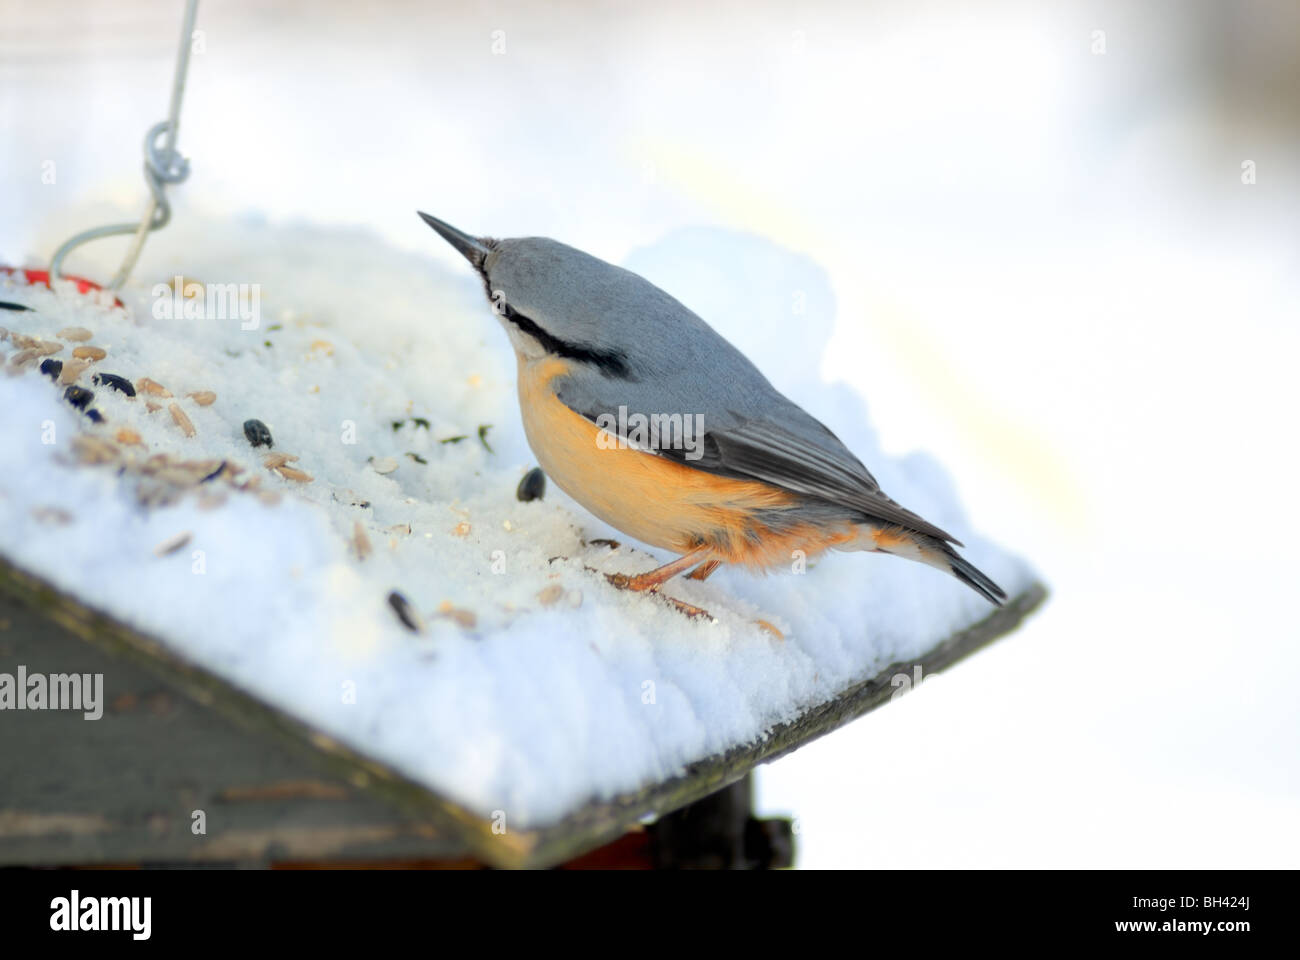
(644, 583)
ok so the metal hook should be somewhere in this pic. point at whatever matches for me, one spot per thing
(162, 165)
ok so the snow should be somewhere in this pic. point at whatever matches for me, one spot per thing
(504, 702)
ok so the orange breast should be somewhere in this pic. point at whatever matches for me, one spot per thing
(656, 500)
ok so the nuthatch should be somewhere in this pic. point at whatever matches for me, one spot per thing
(638, 410)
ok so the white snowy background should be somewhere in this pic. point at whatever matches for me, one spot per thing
(1044, 268)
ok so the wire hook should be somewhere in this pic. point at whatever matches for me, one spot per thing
(163, 165)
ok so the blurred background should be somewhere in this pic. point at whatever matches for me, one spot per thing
(1063, 245)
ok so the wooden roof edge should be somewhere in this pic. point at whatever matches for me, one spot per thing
(591, 826)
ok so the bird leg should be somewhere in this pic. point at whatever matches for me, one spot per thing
(703, 570)
(651, 581)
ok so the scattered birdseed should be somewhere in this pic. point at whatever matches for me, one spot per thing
(770, 629)
(457, 439)
(551, 595)
(151, 407)
(94, 415)
(291, 473)
(6, 305)
(461, 529)
(120, 384)
(152, 387)
(270, 498)
(52, 515)
(91, 449)
(482, 437)
(182, 420)
(74, 334)
(258, 434)
(72, 370)
(79, 397)
(383, 464)
(26, 355)
(204, 398)
(402, 528)
(129, 437)
(51, 368)
(405, 612)
(172, 545)
(465, 618)
(532, 486)
(273, 461)
(360, 542)
(89, 353)
(603, 542)
(417, 458)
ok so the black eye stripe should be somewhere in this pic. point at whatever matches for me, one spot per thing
(612, 362)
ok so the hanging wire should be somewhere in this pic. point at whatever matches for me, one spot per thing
(162, 165)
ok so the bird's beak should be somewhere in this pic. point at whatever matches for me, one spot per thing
(471, 248)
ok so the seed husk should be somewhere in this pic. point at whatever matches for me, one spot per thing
(74, 334)
(89, 353)
(152, 387)
(181, 418)
(294, 474)
(361, 542)
(204, 398)
(72, 370)
(172, 544)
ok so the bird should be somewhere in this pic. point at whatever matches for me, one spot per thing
(736, 474)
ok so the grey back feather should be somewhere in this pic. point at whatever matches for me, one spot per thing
(675, 363)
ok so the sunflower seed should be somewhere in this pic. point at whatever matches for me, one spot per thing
(120, 384)
(79, 397)
(257, 433)
(405, 612)
(532, 486)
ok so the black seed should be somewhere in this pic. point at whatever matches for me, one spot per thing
(95, 416)
(79, 397)
(51, 367)
(121, 384)
(482, 437)
(603, 542)
(405, 612)
(532, 486)
(420, 422)
(397, 425)
(257, 433)
(12, 306)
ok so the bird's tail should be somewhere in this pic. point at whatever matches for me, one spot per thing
(936, 553)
